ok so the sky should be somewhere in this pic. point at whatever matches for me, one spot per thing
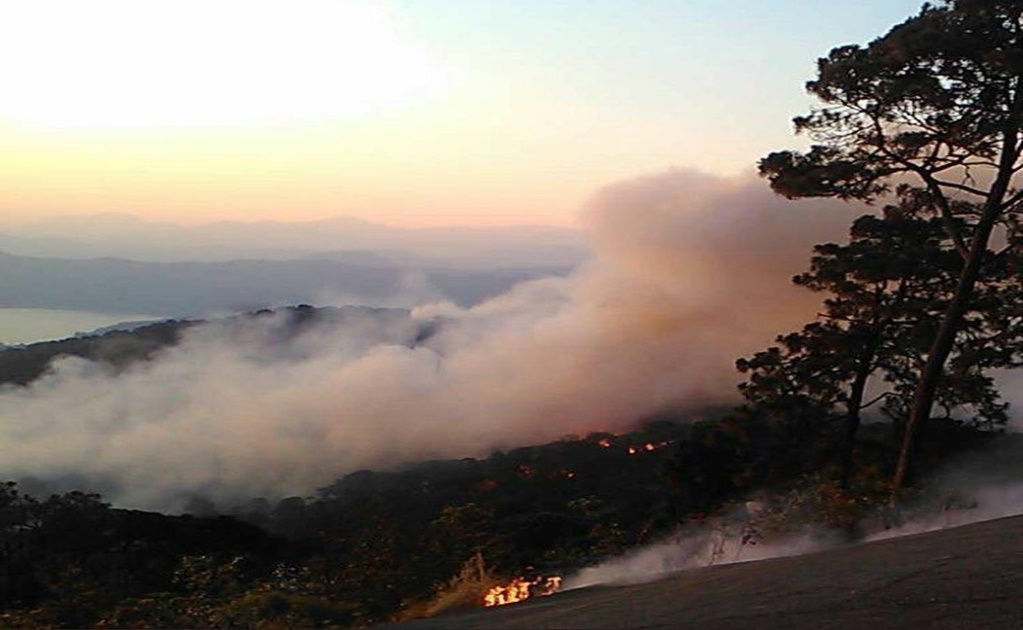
(407, 112)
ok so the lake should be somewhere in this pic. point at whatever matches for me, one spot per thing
(27, 325)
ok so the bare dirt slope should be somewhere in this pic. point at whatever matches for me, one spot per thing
(966, 577)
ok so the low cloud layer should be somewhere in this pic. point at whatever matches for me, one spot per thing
(689, 273)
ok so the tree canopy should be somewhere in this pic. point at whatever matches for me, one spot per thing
(932, 111)
(887, 289)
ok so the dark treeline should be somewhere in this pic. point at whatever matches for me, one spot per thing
(120, 349)
(371, 546)
(427, 538)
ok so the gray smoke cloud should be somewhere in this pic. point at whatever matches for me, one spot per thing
(976, 486)
(688, 273)
(712, 547)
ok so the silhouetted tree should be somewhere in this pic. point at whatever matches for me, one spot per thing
(934, 109)
(709, 466)
(888, 288)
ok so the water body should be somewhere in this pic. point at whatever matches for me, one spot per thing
(28, 325)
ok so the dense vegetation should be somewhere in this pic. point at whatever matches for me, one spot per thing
(20, 365)
(368, 547)
(378, 545)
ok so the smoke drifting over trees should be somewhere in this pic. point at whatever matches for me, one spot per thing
(690, 271)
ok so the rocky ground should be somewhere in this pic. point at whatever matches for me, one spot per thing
(964, 577)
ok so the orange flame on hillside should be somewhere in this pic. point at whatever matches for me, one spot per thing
(521, 589)
(649, 446)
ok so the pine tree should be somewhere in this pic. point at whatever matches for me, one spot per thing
(933, 109)
(887, 290)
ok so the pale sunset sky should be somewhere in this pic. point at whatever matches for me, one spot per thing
(408, 112)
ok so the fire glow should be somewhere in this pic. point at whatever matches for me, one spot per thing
(648, 447)
(521, 589)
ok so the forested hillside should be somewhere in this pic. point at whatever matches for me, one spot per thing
(366, 548)
(426, 538)
(118, 349)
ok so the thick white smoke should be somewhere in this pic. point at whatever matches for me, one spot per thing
(976, 486)
(962, 500)
(711, 547)
(689, 272)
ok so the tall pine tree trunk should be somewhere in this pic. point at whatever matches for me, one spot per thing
(852, 424)
(934, 367)
(941, 348)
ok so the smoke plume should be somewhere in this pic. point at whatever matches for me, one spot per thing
(976, 486)
(708, 548)
(688, 273)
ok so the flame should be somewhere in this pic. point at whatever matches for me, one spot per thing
(648, 447)
(605, 443)
(521, 589)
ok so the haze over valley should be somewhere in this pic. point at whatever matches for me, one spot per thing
(114, 268)
(342, 238)
(653, 321)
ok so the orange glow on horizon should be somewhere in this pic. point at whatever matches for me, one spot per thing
(299, 174)
(348, 114)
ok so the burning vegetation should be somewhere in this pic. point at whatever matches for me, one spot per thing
(521, 589)
(633, 449)
(371, 547)
(648, 447)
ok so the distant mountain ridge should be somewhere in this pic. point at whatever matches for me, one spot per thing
(201, 288)
(128, 236)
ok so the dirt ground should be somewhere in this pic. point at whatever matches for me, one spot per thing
(966, 577)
